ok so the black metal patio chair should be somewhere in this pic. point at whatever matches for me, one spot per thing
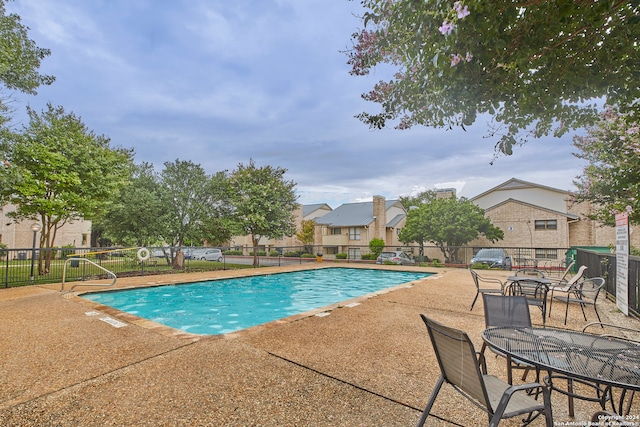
(584, 293)
(507, 311)
(485, 285)
(466, 373)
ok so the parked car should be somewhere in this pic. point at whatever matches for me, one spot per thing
(493, 257)
(195, 254)
(189, 252)
(211, 255)
(159, 253)
(395, 257)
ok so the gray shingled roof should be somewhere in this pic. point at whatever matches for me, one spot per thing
(351, 214)
(395, 221)
(307, 209)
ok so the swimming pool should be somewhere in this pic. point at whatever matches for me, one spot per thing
(228, 305)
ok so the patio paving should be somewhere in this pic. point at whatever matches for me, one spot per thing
(366, 365)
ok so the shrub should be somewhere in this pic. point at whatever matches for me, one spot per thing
(369, 256)
(274, 253)
(341, 256)
(307, 256)
(230, 252)
(436, 262)
(293, 254)
(479, 266)
(376, 245)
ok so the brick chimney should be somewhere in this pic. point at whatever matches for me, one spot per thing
(380, 217)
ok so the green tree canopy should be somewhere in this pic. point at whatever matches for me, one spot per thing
(536, 67)
(262, 202)
(133, 218)
(19, 59)
(409, 202)
(180, 206)
(59, 171)
(376, 246)
(413, 202)
(217, 225)
(611, 179)
(307, 234)
(184, 196)
(448, 223)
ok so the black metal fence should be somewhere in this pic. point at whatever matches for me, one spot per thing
(19, 267)
(24, 266)
(604, 265)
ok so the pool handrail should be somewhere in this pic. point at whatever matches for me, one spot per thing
(64, 272)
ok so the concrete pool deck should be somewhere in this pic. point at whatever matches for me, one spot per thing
(65, 362)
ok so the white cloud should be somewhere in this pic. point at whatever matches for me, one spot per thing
(221, 82)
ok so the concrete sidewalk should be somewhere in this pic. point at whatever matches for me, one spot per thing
(366, 365)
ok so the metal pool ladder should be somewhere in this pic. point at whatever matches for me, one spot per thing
(64, 273)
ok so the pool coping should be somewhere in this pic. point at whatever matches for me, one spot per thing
(168, 331)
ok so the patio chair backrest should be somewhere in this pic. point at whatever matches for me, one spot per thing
(578, 276)
(458, 361)
(563, 278)
(621, 332)
(475, 277)
(589, 289)
(508, 310)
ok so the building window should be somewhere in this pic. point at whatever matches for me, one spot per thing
(546, 224)
(84, 238)
(335, 230)
(354, 253)
(547, 253)
(354, 233)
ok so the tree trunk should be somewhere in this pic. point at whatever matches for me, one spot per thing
(255, 240)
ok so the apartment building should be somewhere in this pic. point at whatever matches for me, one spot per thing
(531, 216)
(304, 212)
(20, 235)
(350, 227)
(541, 217)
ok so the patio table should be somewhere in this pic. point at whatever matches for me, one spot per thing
(600, 362)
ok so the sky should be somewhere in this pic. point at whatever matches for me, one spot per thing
(220, 82)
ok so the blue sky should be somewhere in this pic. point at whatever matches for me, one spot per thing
(221, 82)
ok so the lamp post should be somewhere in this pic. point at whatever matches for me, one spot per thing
(35, 227)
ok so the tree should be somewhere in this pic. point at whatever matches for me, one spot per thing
(262, 202)
(134, 216)
(19, 59)
(410, 202)
(448, 223)
(610, 180)
(185, 200)
(376, 246)
(217, 225)
(533, 65)
(413, 202)
(60, 172)
(307, 234)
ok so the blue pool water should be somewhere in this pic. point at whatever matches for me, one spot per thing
(223, 306)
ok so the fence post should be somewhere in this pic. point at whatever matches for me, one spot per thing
(6, 274)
